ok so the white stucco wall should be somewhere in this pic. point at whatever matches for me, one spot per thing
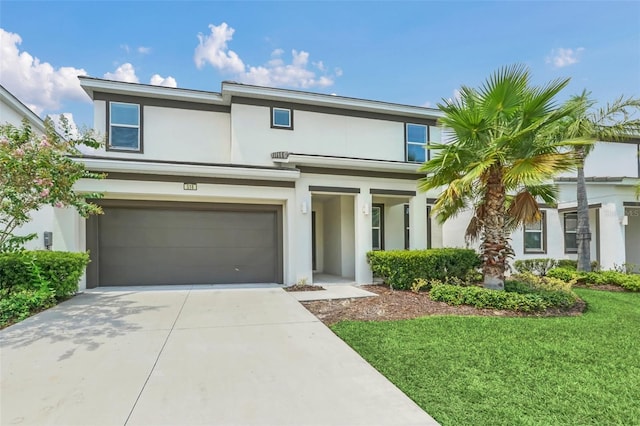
(253, 139)
(611, 159)
(174, 134)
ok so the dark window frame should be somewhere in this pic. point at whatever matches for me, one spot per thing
(108, 146)
(543, 236)
(427, 154)
(569, 250)
(273, 118)
(381, 227)
(407, 227)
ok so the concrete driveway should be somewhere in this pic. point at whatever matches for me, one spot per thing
(190, 356)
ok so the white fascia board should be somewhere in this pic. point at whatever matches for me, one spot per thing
(134, 89)
(15, 104)
(115, 166)
(350, 163)
(233, 89)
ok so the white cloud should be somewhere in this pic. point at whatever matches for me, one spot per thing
(427, 104)
(38, 84)
(562, 57)
(125, 72)
(144, 50)
(158, 80)
(213, 49)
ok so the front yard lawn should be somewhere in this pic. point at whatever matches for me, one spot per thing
(514, 371)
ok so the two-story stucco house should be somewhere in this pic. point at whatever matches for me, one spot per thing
(257, 184)
(252, 184)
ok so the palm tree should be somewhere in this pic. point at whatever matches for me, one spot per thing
(617, 121)
(496, 163)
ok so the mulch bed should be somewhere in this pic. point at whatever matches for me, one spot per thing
(303, 287)
(399, 304)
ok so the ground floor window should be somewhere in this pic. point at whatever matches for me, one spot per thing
(377, 227)
(570, 232)
(535, 236)
(407, 228)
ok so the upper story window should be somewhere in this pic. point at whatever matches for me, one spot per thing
(417, 136)
(535, 236)
(124, 127)
(416, 139)
(281, 118)
(570, 232)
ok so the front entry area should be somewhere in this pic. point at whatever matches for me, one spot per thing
(158, 243)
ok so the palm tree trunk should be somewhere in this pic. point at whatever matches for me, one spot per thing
(494, 242)
(583, 236)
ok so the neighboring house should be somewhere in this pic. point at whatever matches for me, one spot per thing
(13, 111)
(257, 184)
(612, 171)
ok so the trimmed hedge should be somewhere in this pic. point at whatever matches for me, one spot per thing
(541, 266)
(527, 294)
(21, 304)
(29, 270)
(630, 282)
(400, 268)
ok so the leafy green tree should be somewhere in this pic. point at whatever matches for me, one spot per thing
(496, 163)
(617, 121)
(36, 171)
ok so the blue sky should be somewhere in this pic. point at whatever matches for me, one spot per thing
(406, 52)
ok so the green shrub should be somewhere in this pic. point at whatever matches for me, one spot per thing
(535, 266)
(400, 268)
(573, 264)
(523, 293)
(16, 306)
(482, 298)
(28, 270)
(630, 282)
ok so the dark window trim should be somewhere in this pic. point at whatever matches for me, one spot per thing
(332, 110)
(406, 142)
(573, 209)
(273, 118)
(392, 192)
(108, 146)
(339, 189)
(564, 232)
(362, 173)
(160, 102)
(407, 228)
(195, 179)
(543, 235)
(631, 203)
(429, 227)
(381, 207)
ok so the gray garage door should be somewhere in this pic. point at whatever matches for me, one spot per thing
(152, 246)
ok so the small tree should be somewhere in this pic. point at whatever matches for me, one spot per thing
(39, 170)
(497, 163)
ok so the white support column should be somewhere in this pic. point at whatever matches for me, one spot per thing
(418, 221)
(362, 222)
(300, 216)
(612, 245)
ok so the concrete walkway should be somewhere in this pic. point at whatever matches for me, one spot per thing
(190, 356)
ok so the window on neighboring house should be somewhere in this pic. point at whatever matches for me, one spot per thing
(570, 232)
(377, 227)
(535, 236)
(124, 127)
(282, 118)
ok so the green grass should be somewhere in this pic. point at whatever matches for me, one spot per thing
(515, 371)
